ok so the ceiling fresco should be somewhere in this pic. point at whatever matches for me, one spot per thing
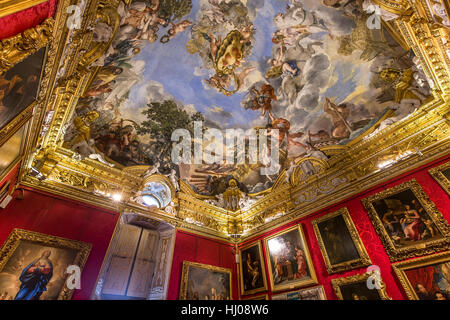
(322, 72)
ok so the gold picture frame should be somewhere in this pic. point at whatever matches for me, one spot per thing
(309, 267)
(262, 272)
(188, 265)
(363, 258)
(401, 269)
(303, 294)
(8, 7)
(438, 174)
(19, 236)
(440, 229)
(359, 283)
(259, 297)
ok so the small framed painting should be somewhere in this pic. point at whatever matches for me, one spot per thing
(252, 269)
(314, 293)
(426, 278)
(442, 175)
(205, 282)
(356, 288)
(339, 242)
(289, 262)
(33, 265)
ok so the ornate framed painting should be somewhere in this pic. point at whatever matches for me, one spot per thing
(426, 278)
(205, 282)
(33, 265)
(252, 269)
(12, 150)
(288, 259)
(407, 222)
(339, 242)
(355, 288)
(314, 293)
(19, 87)
(442, 175)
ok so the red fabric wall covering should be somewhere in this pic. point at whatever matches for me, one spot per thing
(63, 218)
(196, 248)
(366, 231)
(20, 21)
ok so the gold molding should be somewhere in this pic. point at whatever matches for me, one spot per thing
(185, 276)
(261, 265)
(362, 261)
(8, 7)
(13, 241)
(310, 266)
(437, 174)
(401, 267)
(338, 282)
(412, 250)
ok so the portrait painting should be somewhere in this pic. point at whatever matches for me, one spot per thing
(356, 288)
(288, 259)
(252, 269)
(426, 278)
(407, 221)
(339, 242)
(441, 174)
(19, 86)
(33, 265)
(205, 282)
(314, 293)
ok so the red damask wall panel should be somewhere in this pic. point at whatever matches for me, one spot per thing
(63, 218)
(20, 21)
(366, 230)
(200, 249)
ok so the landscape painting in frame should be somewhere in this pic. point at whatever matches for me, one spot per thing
(19, 86)
(339, 242)
(426, 278)
(33, 265)
(355, 288)
(253, 274)
(311, 69)
(288, 259)
(205, 282)
(442, 175)
(314, 293)
(407, 221)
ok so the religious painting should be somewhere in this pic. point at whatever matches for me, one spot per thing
(19, 86)
(314, 293)
(356, 288)
(288, 259)
(426, 278)
(313, 70)
(339, 242)
(252, 269)
(407, 221)
(33, 266)
(442, 175)
(205, 282)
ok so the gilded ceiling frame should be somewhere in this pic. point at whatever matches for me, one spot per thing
(351, 168)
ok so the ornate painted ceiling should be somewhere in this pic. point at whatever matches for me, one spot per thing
(357, 89)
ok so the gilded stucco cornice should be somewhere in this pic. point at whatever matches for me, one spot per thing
(350, 169)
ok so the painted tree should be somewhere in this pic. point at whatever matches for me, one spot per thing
(175, 9)
(162, 119)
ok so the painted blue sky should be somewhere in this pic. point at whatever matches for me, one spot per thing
(172, 66)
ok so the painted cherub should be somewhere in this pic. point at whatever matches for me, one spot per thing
(176, 29)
